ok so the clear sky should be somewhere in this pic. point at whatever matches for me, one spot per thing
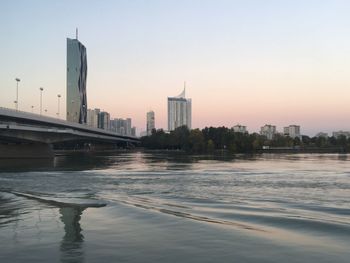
(248, 62)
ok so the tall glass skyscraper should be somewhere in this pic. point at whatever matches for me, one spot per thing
(76, 81)
(179, 111)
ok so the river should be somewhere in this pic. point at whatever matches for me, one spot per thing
(174, 207)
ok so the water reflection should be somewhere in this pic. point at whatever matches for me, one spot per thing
(68, 162)
(77, 161)
(20, 164)
(170, 160)
(72, 243)
(342, 157)
(178, 160)
(16, 214)
(9, 210)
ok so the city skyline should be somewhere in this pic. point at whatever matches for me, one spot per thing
(237, 70)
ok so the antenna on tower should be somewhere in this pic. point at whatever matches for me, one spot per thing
(184, 88)
(76, 33)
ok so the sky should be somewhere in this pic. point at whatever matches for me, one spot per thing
(250, 62)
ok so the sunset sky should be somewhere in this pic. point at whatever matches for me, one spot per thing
(247, 62)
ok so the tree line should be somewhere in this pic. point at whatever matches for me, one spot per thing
(211, 139)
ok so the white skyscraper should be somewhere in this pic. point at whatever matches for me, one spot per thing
(150, 122)
(179, 111)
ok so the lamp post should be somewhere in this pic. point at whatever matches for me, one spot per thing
(58, 105)
(32, 108)
(16, 101)
(41, 99)
(84, 114)
(72, 112)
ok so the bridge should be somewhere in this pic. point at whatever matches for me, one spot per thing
(27, 131)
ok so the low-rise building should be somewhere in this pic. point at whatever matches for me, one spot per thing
(143, 133)
(337, 134)
(322, 134)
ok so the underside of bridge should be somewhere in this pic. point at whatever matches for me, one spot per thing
(56, 138)
(43, 143)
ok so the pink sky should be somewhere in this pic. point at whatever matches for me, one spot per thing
(247, 62)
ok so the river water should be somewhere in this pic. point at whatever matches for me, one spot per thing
(173, 207)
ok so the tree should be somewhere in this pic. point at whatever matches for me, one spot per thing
(196, 141)
(210, 145)
(180, 138)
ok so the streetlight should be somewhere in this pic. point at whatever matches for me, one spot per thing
(32, 108)
(41, 99)
(16, 101)
(84, 114)
(58, 105)
(72, 112)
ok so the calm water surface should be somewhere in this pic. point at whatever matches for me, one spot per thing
(166, 207)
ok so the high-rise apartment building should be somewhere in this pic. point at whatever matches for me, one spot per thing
(92, 117)
(150, 126)
(128, 126)
(104, 120)
(121, 126)
(179, 111)
(292, 131)
(268, 130)
(76, 81)
(133, 131)
(240, 128)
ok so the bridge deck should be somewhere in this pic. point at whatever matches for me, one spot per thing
(25, 121)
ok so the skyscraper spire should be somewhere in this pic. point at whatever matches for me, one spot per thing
(184, 92)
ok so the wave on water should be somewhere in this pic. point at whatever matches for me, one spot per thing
(245, 216)
(60, 201)
(180, 211)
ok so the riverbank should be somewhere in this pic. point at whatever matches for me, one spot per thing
(282, 150)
